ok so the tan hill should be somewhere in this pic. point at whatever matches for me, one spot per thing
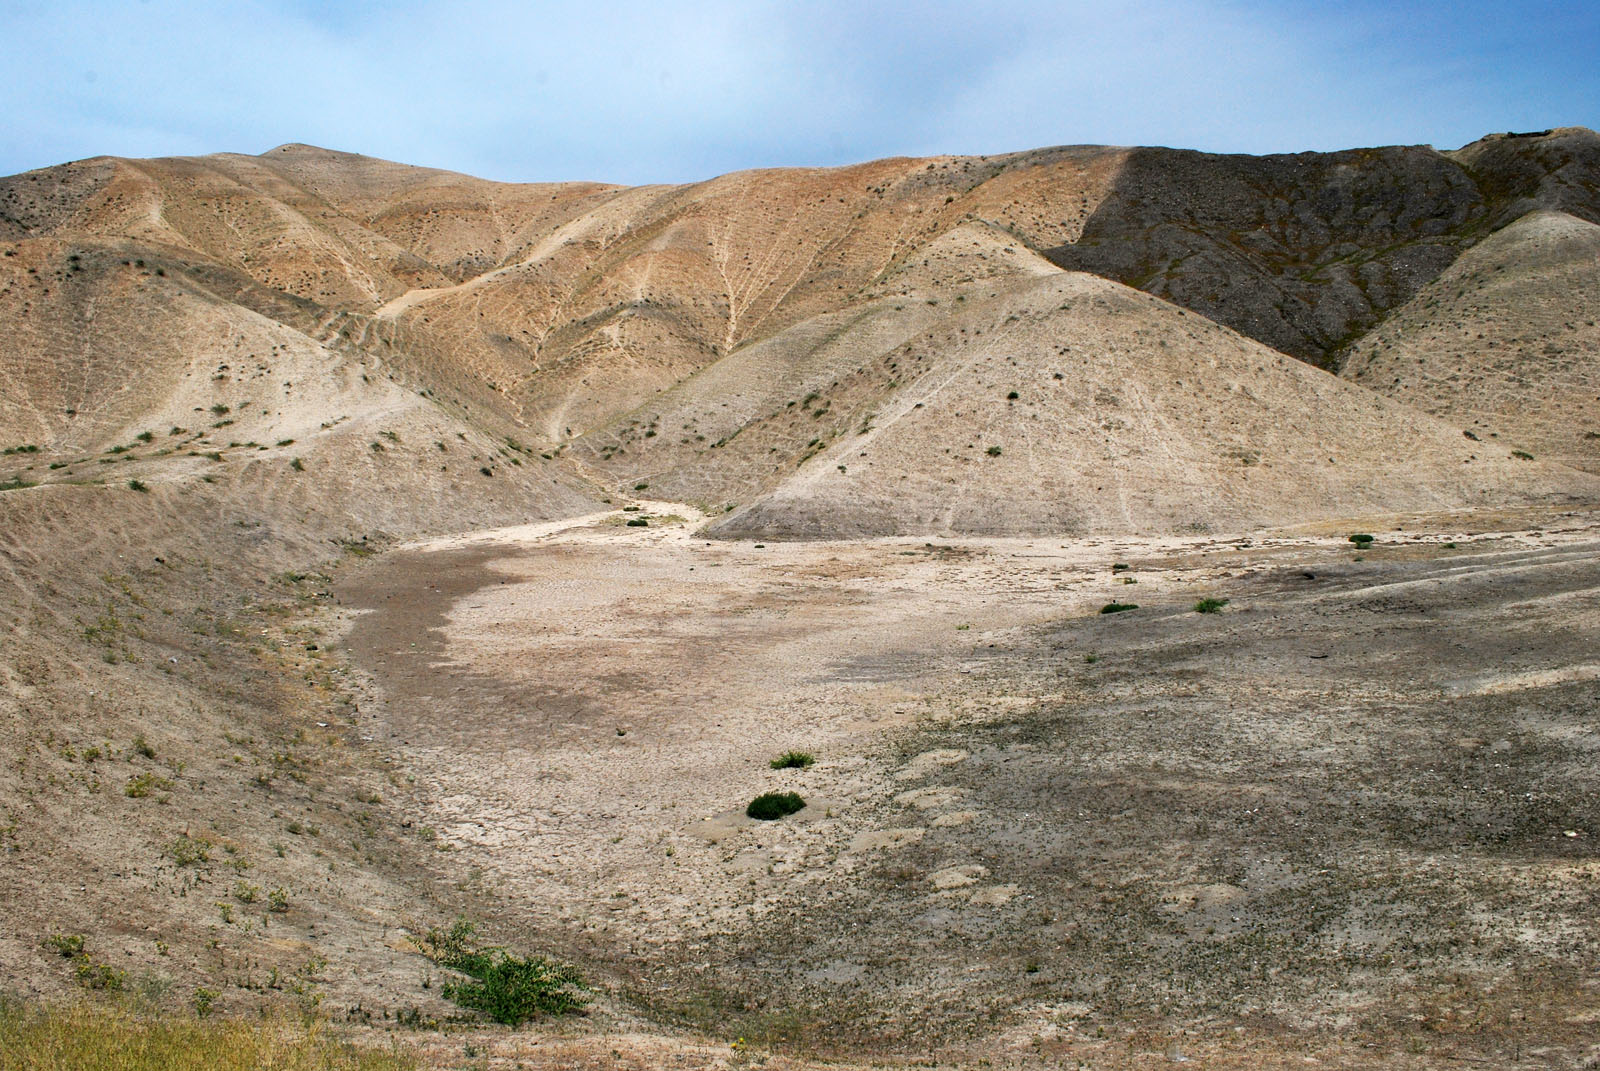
(228, 381)
(118, 370)
(1072, 404)
(1504, 343)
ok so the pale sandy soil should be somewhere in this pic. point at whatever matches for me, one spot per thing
(993, 818)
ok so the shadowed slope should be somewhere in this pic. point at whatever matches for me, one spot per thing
(1306, 251)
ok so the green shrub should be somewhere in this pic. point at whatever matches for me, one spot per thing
(189, 851)
(1522, 455)
(138, 485)
(770, 806)
(507, 988)
(66, 945)
(1209, 606)
(793, 760)
(993, 451)
(92, 975)
(1118, 607)
(638, 522)
(1361, 539)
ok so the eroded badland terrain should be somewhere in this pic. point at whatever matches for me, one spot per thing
(381, 545)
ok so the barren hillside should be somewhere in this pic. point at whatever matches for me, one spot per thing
(359, 536)
(1504, 343)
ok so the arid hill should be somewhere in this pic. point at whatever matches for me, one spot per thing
(661, 333)
(1504, 343)
(275, 694)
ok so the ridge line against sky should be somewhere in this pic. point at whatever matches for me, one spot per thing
(636, 92)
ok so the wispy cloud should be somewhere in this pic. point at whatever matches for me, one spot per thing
(636, 92)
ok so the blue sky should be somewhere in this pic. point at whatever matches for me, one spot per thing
(661, 92)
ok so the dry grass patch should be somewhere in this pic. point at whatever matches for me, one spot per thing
(89, 1038)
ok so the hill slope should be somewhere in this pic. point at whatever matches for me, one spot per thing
(1504, 343)
(1072, 404)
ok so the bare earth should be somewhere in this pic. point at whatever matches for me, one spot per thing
(1355, 808)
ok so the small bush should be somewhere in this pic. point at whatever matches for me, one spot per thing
(278, 900)
(1522, 455)
(1119, 567)
(507, 988)
(770, 806)
(66, 945)
(92, 975)
(638, 522)
(138, 485)
(1361, 539)
(1209, 606)
(189, 851)
(793, 760)
(994, 451)
(1118, 607)
(141, 785)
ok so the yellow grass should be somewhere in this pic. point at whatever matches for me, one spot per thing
(88, 1038)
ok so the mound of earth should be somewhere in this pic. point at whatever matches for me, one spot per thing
(1072, 404)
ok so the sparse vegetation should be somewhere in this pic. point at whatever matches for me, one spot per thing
(993, 451)
(793, 760)
(96, 1037)
(1118, 607)
(189, 851)
(142, 784)
(1209, 606)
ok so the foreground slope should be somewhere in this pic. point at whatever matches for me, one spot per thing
(1072, 404)
(1504, 343)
